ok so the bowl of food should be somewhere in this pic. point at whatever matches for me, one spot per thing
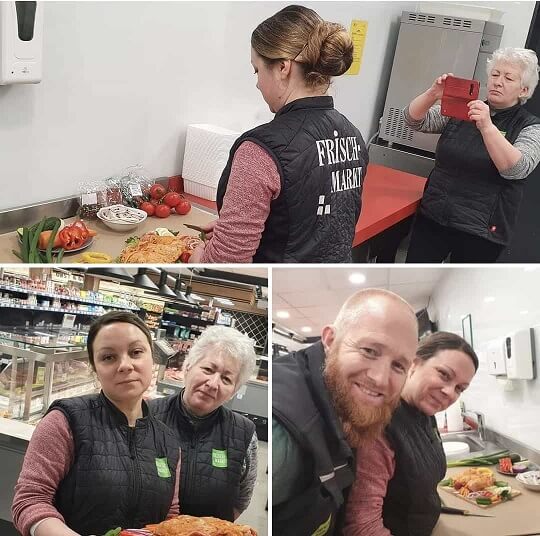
(530, 479)
(121, 218)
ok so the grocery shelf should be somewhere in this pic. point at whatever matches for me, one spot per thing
(14, 288)
(50, 309)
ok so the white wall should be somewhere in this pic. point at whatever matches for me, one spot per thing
(122, 80)
(517, 305)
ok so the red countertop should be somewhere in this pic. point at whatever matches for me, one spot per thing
(389, 196)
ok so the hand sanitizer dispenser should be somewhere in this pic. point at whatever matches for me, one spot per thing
(518, 348)
(21, 42)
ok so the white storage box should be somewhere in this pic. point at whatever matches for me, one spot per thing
(205, 156)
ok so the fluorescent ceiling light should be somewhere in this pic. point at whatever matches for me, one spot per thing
(283, 314)
(357, 278)
(489, 299)
(306, 329)
(223, 301)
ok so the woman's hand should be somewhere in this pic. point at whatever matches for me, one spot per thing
(208, 229)
(419, 106)
(437, 88)
(479, 113)
(197, 254)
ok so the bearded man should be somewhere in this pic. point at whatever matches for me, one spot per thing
(329, 399)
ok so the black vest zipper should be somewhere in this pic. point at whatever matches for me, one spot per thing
(192, 463)
(136, 472)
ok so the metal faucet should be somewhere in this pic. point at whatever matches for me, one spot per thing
(481, 423)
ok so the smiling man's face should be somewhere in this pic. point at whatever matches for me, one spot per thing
(367, 365)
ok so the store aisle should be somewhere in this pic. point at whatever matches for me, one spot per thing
(256, 516)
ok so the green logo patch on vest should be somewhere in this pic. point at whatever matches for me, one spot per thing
(503, 132)
(219, 458)
(323, 529)
(163, 468)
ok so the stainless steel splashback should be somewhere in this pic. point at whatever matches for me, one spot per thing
(429, 45)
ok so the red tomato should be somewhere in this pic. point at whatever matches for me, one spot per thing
(148, 207)
(172, 199)
(185, 256)
(183, 207)
(163, 211)
(157, 191)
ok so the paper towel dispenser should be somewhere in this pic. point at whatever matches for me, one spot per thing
(21, 42)
(519, 357)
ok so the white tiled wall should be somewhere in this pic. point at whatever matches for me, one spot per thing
(513, 302)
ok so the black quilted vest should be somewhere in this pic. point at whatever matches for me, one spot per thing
(301, 404)
(412, 505)
(115, 479)
(465, 190)
(322, 160)
(213, 453)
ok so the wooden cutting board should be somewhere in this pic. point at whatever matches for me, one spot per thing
(449, 489)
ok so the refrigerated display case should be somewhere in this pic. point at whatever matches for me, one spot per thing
(40, 365)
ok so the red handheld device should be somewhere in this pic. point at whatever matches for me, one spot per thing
(456, 94)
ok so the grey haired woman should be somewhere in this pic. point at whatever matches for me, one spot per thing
(472, 197)
(218, 445)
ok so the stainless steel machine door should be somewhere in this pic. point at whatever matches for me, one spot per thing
(423, 52)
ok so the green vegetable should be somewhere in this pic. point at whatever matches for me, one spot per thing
(501, 484)
(60, 255)
(25, 245)
(483, 500)
(490, 459)
(132, 240)
(48, 254)
(175, 233)
(33, 255)
(113, 532)
(447, 482)
(48, 224)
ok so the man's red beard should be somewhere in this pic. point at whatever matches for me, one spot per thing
(361, 423)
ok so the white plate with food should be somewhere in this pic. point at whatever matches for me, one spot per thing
(121, 218)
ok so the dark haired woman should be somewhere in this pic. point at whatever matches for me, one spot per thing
(395, 490)
(291, 190)
(96, 462)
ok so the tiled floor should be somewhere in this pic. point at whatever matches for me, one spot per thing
(256, 516)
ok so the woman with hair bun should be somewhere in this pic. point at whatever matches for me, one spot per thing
(291, 190)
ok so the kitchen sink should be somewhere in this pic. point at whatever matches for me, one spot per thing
(473, 440)
(476, 444)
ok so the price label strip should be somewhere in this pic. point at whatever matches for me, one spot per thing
(358, 35)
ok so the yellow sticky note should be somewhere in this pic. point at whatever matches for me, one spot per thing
(358, 34)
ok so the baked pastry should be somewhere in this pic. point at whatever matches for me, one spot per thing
(199, 526)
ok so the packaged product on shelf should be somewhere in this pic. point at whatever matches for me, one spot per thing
(92, 198)
(113, 191)
(135, 185)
